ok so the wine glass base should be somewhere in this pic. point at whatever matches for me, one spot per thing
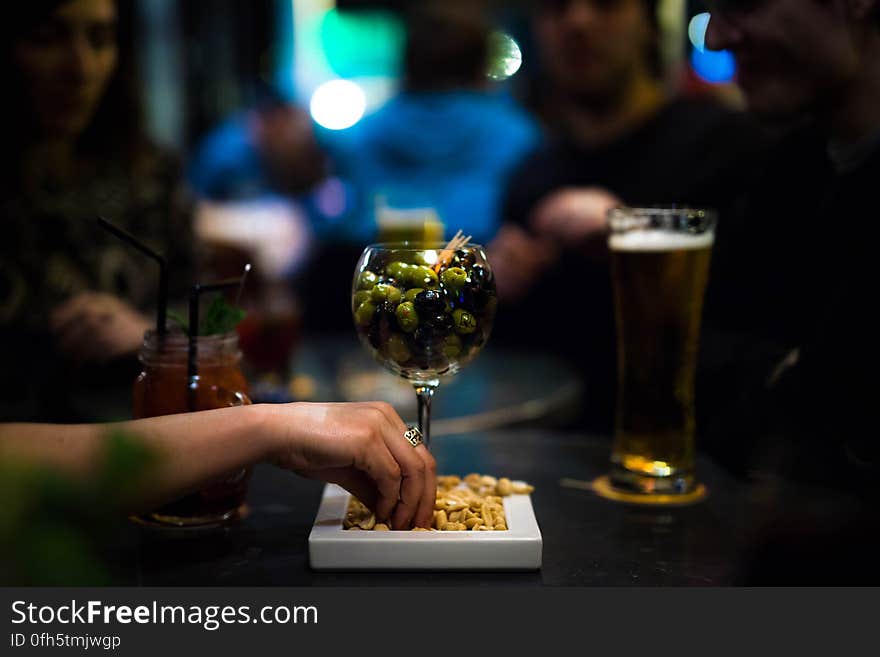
(603, 487)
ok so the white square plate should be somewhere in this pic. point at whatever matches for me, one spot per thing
(333, 548)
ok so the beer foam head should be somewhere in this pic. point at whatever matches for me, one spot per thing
(659, 240)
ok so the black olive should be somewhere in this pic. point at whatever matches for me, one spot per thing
(482, 277)
(429, 301)
(465, 259)
(438, 322)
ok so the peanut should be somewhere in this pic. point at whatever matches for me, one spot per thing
(473, 503)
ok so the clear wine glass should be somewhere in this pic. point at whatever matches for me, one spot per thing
(423, 311)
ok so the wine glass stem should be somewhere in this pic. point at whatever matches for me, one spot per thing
(425, 393)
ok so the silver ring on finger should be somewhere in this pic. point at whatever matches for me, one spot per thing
(413, 436)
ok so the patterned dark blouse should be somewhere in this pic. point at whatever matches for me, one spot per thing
(52, 248)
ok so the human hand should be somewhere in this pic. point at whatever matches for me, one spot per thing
(518, 260)
(573, 216)
(361, 447)
(93, 327)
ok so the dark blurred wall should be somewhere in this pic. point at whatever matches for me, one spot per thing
(201, 60)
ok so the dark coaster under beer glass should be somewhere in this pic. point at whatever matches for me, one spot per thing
(660, 265)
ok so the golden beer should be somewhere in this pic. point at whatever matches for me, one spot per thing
(659, 273)
(414, 225)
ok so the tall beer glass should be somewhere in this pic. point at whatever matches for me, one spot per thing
(659, 266)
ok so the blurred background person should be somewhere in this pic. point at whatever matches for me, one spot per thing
(803, 354)
(437, 152)
(266, 150)
(620, 135)
(794, 394)
(254, 176)
(448, 139)
(71, 296)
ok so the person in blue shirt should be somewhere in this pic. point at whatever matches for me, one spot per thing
(268, 150)
(447, 141)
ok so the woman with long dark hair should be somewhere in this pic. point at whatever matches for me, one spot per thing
(71, 294)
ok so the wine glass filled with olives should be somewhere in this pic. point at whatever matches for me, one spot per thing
(424, 311)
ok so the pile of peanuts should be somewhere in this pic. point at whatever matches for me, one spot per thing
(476, 506)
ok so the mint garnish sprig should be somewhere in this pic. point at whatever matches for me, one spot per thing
(219, 318)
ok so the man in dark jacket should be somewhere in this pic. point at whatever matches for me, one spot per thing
(794, 284)
(619, 136)
(794, 270)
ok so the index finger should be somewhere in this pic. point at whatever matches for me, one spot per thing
(424, 513)
(412, 470)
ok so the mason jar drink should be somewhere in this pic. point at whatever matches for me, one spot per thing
(659, 265)
(163, 388)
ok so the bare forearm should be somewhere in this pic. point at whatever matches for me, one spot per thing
(190, 449)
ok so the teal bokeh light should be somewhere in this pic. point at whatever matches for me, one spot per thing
(362, 43)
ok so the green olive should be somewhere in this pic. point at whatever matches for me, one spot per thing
(396, 348)
(367, 280)
(360, 296)
(397, 270)
(364, 313)
(423, 277)
(454, 278)
(383, 292)
(452, 346)
(407, 317)
(412, 293)
(464, 322)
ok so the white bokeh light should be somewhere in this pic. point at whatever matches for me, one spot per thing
(338, 104)
(507, 56)
(697, 30)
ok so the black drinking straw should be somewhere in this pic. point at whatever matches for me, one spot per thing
(247, 268)
(193, 351)
(162, 302)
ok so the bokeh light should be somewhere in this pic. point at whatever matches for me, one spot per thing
(715, 66)
(338, 104)
(505, 56)
(697, 30)
(362, 43)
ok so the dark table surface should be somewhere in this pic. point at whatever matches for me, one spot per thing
(505, 416)
(587, 540)
(500, 388)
